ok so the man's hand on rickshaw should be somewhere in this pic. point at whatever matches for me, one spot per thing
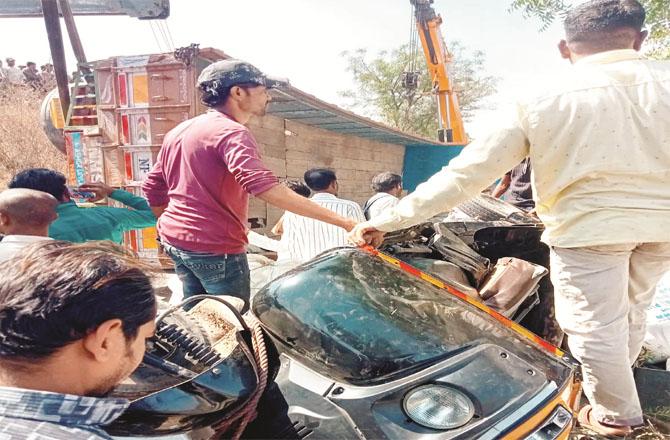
(363, 234)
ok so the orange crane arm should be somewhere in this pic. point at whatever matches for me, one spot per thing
(438, 59)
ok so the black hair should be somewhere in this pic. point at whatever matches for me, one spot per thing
(41, 179)
(298, 187)
(319, 179)
(592, 19)
(214, 94)
(54, 293)
(386, 181)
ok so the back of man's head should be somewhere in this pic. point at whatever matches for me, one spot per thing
(605, 24)
(41, 179)
(319, 179)
(26, 211)
(55, 293)
(386, 181)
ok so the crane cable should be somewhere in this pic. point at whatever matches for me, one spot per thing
(161, 27)
(413, 43)
(169, 33)
(153, 31)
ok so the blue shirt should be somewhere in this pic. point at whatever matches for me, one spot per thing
(41, 415)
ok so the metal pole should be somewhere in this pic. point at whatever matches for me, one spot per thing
(72, 32)
(52, 22)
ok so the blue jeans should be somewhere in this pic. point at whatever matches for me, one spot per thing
(212, 274)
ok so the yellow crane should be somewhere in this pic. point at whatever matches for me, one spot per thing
(438, 59)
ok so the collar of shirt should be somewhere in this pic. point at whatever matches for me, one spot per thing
(224, 114)
(16, 238)
(378, 196)
(611, 56)
(65, 409)
(66, 205)
(382, 195)
(324, 196)
(71, 205)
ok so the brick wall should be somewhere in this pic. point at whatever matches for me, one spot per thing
(290, 148)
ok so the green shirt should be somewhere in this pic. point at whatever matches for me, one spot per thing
(101, 222)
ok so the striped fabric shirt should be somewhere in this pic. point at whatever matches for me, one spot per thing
(304, 238)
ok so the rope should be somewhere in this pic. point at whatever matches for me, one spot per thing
(248, 413)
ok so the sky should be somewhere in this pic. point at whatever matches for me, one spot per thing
(303, 39)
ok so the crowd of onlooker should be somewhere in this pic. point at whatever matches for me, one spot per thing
(27, 75)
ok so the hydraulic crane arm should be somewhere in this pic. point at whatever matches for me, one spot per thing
(438, 59)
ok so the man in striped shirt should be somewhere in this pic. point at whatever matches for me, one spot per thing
(304, 237)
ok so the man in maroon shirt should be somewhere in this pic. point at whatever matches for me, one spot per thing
(207, 167)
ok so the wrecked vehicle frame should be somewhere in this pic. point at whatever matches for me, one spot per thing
(363, 345)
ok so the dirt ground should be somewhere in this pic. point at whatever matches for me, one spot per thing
(645, 433)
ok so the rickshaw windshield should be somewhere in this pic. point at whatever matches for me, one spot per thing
(361, 320)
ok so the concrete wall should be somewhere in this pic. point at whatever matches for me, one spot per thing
(290, 148)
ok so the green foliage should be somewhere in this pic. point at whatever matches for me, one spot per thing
(658, 24)
(658, 20)
(544, 10)
(380, 93)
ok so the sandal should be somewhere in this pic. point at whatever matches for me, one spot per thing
(586, 420)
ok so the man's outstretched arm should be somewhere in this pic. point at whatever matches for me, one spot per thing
(467, 175)
(141, 216)
(282, 197)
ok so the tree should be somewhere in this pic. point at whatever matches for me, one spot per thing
(658, 20)
(380, 93)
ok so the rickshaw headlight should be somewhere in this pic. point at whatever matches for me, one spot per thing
(438, 407)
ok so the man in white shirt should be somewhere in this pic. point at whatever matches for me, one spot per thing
(25, 216)
(303, 238)
(599, 142)
(13, 74)
(388, 188)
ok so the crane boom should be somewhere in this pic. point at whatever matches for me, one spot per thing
(437, 59)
